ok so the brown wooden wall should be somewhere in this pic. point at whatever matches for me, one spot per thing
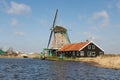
(96, 50)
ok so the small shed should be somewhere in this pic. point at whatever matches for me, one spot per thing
(1, 52)
(82, 49)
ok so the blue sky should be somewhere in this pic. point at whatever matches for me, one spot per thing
(25, 24)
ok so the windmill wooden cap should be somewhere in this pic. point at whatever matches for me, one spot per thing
(59, 29)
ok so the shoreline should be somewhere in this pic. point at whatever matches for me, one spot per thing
(105, 61)
(110, 62)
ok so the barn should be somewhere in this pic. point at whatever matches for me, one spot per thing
(82, 49)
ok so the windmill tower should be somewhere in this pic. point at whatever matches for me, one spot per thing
(58, 36)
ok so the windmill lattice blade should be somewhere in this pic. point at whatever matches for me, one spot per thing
(50, 38)
(52, 28)
(55, 18)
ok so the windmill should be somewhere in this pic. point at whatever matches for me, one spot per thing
(59, 35)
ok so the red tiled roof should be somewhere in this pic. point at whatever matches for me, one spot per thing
(73, 47)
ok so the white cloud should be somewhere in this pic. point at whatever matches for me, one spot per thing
(18, 33)
(103, 14)
(114, 5)
(18, 8)
(100, 19)
(14, 22)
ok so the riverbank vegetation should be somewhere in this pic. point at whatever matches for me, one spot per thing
(106, 61)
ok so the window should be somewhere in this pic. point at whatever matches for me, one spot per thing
(81, 53)
(93, 46)
(89, 46)
(73, 53)
(93, 54)
(78, 53)
(101, 53)
(89, 53)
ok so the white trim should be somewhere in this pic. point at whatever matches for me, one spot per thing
(97, 45)
(93, 43)
(84, 46)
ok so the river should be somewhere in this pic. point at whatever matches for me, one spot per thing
(35, 69)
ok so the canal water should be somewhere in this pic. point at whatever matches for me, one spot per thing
(35, 69)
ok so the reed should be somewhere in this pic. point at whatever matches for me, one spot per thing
(106, 61)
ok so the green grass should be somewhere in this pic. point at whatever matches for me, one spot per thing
(54, 58)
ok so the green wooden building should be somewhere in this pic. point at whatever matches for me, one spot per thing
(1, 52)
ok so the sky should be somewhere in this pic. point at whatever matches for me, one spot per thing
(25, 24)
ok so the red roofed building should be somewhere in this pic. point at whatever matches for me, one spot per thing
(82, 49)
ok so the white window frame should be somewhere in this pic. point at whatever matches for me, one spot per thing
(93, 53)
(93, 46)
(78, 54)
(82, 53)
(89, 53)
(89, 46)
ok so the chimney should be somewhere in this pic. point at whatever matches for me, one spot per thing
(87, 40)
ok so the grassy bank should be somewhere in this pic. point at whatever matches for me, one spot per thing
(103, 61)
(106, 61)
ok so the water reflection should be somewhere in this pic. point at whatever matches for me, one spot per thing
(58, 70)
(33, 69)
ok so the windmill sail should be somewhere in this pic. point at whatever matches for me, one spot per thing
(52, 28)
